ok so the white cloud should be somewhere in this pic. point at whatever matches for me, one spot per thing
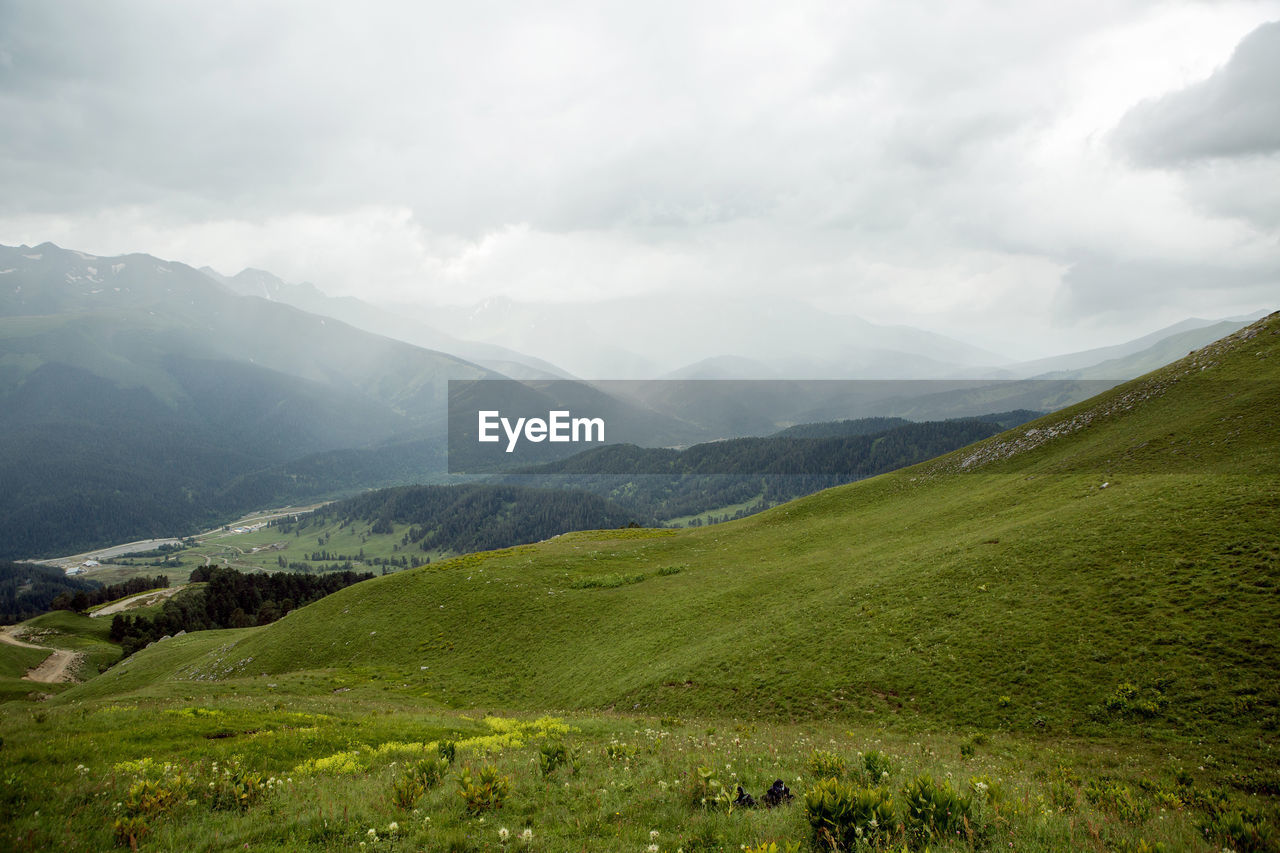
(944, 164)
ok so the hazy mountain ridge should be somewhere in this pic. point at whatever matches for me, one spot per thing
(391, 324)
(107, 364)
(138, 395)
(640, 338)
(593, 339)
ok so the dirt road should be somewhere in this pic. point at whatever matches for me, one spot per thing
(142, 599)
(55, 668)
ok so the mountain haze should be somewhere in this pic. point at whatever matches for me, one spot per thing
(137, 395)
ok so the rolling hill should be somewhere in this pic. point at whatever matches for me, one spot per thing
(1110, 565)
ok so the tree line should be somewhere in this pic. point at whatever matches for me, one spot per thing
(80, 600)
(28, 589)
(228, 599)
(475, 517)
(665, 484)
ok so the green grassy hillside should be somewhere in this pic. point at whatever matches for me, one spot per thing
(1022, 582)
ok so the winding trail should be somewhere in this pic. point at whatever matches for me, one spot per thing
(142, 599)
(55, 668)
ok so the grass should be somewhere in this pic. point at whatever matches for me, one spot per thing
(721, 512)
(1082, 611)
(15, 662)
(262, 549)
(626, 776)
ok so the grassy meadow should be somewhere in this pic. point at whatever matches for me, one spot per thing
(319, 761)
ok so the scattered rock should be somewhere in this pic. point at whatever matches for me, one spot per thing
(744, 800)
(777, 795)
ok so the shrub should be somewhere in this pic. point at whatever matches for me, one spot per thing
(1118, 799)
(877, 765)
(129, 831)
(936, 810)
(448, 750)
(551, 755)
(483, 793)
(606, 581)
(1139, 845)
(825, 765)
(235, 789)
(406, 791)
(415, 779)
(705, 790)
(1244, 832)
(1062, 795)
(1129, 700)
(842, 816)
(147, 797)
(616, 751)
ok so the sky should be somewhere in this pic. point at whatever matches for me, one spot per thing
(1031, 177)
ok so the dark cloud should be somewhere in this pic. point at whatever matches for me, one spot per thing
(1234, 113)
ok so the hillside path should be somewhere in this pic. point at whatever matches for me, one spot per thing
(142, 599)
(55, 667)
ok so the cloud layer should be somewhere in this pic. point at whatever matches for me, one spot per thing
(1028, 176)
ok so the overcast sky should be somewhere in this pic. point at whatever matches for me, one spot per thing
(1032, 177)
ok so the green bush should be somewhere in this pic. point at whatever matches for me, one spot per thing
(1243, 832)
(485, 792)
(705, 790)
(1129, 700)
(148, 797)
(1062, 795)
(1118, 799)
(877, 765)
(551, 755)
(416, 778)
(1139, 845)
(843, 817)
(823, 764)
(606, 581)
(235, 788)
(129, 831)
(936, 810)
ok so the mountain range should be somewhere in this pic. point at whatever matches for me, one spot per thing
(143, 397)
